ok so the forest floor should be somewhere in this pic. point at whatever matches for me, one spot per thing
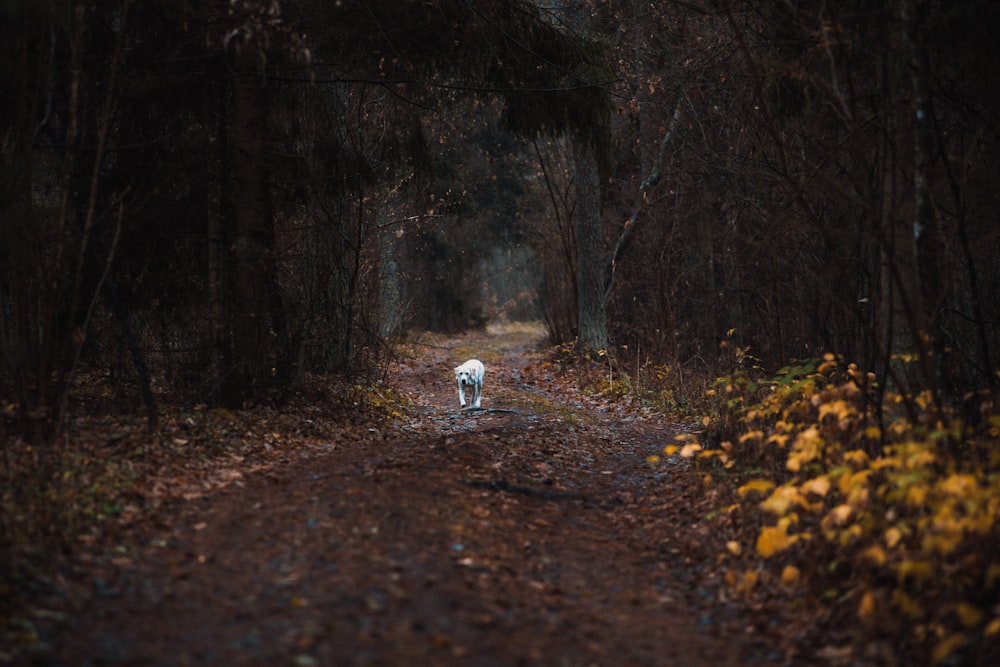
(536, 531)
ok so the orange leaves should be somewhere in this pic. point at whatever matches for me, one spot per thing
(903, 602)
(905, 504)
(867, 608)
(818, 486)
(758, 485)
(807, 447)
(947, 646)
(743, 584)
(959, 486)
(690, 449)
(779, 439)
(838, 516)
(969, 615)
(839, 409)
(790, 576)
(784, 499)
(773, 539)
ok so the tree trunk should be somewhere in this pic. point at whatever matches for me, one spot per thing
(592, 321)
(927, 236)
(390, 291)
(252, 285)
(36, 236)
(218, 224)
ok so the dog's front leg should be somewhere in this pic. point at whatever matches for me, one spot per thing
(461, 394)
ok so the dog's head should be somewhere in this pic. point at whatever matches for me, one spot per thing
(463, 374)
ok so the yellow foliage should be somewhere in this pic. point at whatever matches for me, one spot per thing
(758, 485)
(839, 409)
(829, 364)
(906, 604)
(961, 486)
(690, 449)
(779, 439)
(734, 547)
(859, 495)
(916, 454)
(944, 535)
(969, 615)
(875, 554)
(851, 481)
(918, 570)
(899, 427)
(783, 499)
(838, 516)
(905, 498)
(924, 399)
(807, 447)
(866, 608)
(818, 485)
(947, 646)
(857, 458)
(748, 582)
(886, 462)
(851, 533)
(773, 539)
(790, 576)
(916, 495)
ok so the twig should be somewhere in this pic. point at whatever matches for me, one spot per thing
(492, 410)
(501, 485)
(642, 204)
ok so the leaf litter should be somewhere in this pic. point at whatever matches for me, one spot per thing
(544, 531)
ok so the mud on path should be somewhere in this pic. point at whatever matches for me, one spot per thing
(534, 532)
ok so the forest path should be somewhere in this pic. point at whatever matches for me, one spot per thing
(534, 533)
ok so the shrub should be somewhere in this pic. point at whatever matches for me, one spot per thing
(884, 509)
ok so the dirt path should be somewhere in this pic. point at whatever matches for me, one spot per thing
(538, 535)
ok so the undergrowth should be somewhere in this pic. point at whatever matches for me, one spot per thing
(667, 388)
(879, 508)
(109, 469)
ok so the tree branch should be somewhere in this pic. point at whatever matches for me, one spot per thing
(641, 204)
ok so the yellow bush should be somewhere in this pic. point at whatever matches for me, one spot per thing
(908, 505)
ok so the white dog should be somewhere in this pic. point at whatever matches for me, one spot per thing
(470, 374)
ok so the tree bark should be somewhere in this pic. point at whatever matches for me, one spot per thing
(390, 289)
(927, 237)
(592, 319)
(654, 171)
(253, 284)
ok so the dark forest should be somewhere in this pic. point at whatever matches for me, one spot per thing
(776, 221)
